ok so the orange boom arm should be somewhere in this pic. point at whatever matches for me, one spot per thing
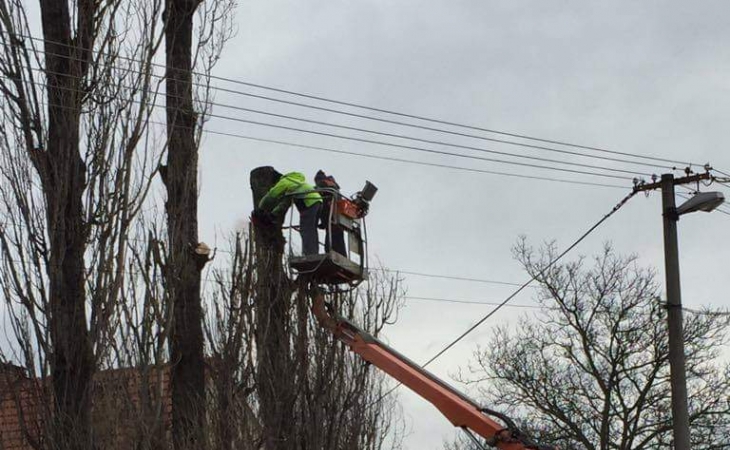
(461, 411)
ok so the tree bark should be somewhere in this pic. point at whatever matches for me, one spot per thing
(183, 272)
(63, 177)
(275, 375)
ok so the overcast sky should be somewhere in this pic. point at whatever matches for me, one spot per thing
(647, 77)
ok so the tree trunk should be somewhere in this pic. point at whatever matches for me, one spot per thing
(275, 377)
(63, 177)
(183, 271)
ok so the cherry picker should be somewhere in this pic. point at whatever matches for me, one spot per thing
(332, 269)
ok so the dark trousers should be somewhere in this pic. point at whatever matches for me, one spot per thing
(335, 240)
(308, 229)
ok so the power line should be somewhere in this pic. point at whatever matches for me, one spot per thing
(438, 152)
(5, 219)
(465, 279)
(414, 148)
(391, 112)
(524, 285)
(421, 127)
(501, 141)
(723, 184)
(470, 302)
(448, 277)
(409, 161)
(404, 160)
(394, 271)
(136, 272)
(405, 124)
(445, 122)
(706, 312)
(520, 289)
(417, 139)
(304, 105)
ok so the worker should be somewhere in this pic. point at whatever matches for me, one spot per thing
(289, 188)
(335, 238)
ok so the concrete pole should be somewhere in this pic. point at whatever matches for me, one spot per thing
(680, 411)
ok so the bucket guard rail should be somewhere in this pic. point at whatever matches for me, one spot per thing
(346, 216)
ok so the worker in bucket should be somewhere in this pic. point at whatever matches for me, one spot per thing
(292, 187)
(335, 238)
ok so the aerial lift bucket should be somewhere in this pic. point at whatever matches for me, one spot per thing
(349, 266)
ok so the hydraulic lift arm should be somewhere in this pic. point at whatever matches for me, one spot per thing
(461, 411)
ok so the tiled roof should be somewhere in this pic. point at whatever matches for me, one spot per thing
(127, 403)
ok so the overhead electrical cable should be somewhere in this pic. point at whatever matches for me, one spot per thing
(720, 313)
(447, 277)
(541, 272)
(405, 137)
(8, 220)
(5, 220)
(418, 126)
(723, 184)
(410, 161)
(137, 272)
(391, 112)
(421, 149)
(502, 304)
(429, 141)
(394, 159)
(405, 124)
(469, 302)
(418, 149)
(445, 122)
(438, 130)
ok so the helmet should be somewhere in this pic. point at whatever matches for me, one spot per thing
(321, 179)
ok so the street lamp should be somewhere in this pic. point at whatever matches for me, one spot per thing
(706, 201)
(703, 201)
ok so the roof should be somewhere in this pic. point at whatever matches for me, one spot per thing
(127, 402)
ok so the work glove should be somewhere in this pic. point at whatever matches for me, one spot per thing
(322, 221)
(364, 208)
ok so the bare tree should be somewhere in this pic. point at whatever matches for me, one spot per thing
(92, 284)
(75, 107)
(184, 264)
(341, 402)
(184, 259)
(230, 337)
(273, 299)
(590, 371)
(141, 325)
(302, 389)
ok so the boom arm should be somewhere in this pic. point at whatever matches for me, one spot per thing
(461, 411)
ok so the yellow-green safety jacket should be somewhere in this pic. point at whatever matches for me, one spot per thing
(292, 186)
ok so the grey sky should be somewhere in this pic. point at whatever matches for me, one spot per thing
(643, 77)
(648, 77)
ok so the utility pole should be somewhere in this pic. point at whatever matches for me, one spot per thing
(680, 408)
(678, 376)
